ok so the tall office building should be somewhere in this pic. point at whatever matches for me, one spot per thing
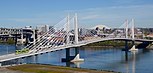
(43, 28)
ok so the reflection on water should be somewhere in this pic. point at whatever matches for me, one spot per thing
(133, 59)
(133, 64)
(97, 58)
(78, 64)
(7, 49)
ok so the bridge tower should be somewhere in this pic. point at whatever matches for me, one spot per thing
(77, 55)
(126, 29)
(67, 30)
(76, 28)
(75, 58)
(132, 29)
(126, 35)
(133, 42)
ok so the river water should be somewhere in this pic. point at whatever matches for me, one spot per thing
(95, 58)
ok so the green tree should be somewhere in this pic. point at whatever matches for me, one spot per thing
(10, 41)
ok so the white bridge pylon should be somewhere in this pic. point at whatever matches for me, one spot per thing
(49, 40)
(132, 23)
(75, 24)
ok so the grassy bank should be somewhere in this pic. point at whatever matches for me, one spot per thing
(8, 41)
(108, 44)
(34, 68)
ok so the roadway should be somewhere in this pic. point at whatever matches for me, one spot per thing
(52, 49)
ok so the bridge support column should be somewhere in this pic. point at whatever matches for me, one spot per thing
(69, 58)
(126, 50)
(126, 46)
(133, 47)
(77, 56)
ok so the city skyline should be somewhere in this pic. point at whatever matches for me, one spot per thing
(112, 13)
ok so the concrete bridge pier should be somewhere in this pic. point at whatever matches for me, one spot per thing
(126, 50)
(69, 58)
(133, 47)
(126, 46)
(77, 56)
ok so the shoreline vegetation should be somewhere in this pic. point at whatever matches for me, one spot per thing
(113, 44)
(8, 41)
(39, 68)
(108, 44)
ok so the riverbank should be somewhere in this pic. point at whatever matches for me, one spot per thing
(102, 47)
(113, 44)
(36, 68)
(8, 41)
(110, 43)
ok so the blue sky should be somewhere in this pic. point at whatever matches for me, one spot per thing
(112, 13)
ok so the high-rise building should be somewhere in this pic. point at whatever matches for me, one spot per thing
(43, 28)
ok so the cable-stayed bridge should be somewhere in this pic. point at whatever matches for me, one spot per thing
(67, 36)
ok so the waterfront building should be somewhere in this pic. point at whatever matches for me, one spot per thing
(42, 29)
(19, 35)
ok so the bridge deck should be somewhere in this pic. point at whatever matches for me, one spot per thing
(14, 56)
